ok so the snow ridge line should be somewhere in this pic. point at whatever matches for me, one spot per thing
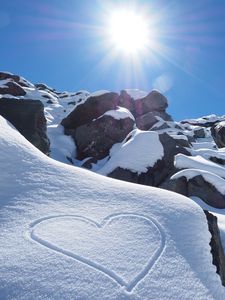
(129, 286)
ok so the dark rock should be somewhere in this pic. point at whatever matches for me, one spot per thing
(146, 121)
(199, 187)
(160, 172)
(154, 101)
(216, 246)
(28, 118)
(21, 81)
(91, 109)
(12, 88)
(218, 134)
(88, 163)
(125, 100)
(96, 138)
(199, 133)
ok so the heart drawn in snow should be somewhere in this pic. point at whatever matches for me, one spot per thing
(123, 246)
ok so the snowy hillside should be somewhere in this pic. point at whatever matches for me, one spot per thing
(67, 233)
(69, 230)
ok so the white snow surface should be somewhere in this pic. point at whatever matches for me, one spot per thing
(136, 93)
(140, 150)
(198, 162)
(119, 113)
(67, 233)
(215, 180)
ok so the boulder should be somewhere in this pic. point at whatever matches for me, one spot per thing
(91, 109)
(12, 88)
(125, 100)
(199, 133)
(28, 118)
(218, 134)
(154, 101)
(216, 245)
(197, 186)
(22, 81)
(96, 138)
(146, 121)
(160, 172)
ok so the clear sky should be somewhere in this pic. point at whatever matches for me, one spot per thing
(65, 45)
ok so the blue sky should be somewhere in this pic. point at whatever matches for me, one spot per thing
(61, 44)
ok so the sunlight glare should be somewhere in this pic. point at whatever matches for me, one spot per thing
(129, 32)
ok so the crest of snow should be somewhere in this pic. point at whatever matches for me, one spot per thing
(140, 150)
(208, 153)
(98, 93)
(205, 119)
(136, 93)
(213, 179)
(44, 202)
(198, 162)
(179, 137)
(204, 145)
(119, 113)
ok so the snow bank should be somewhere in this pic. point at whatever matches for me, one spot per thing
(67, 233)
(140, 150)
(198, 162)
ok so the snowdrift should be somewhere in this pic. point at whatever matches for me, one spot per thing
(67, 233)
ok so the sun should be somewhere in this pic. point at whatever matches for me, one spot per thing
(129, 32)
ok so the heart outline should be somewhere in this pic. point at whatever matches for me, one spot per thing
(129, 286)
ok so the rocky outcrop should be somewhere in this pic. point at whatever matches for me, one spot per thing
(12, 88)
(15, 78)
(96, 138)
(197, 186)
(216, 245)
(28, 118)
(218, 134)
(91, 109)
(160, 172)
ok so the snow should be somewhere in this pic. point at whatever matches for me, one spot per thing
(4, 82)
(136, 93)
(208, 153)
(67, 233)
(119, 113)
(62, 147)
(140, 150)
(198, 162)
(213, 179)
(204, 145)
(98, 93)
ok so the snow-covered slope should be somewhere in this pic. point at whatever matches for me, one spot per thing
(67, 233)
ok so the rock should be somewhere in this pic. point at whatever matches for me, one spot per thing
(91, 109)
(12, 88)
(216, 246)
(15, 78)
(125, 100)
(154, 101)
(218, 134)
(160, 172)
(28, 118)
(146, 121)
(96, 138)
(197, 186)
(199, 133)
